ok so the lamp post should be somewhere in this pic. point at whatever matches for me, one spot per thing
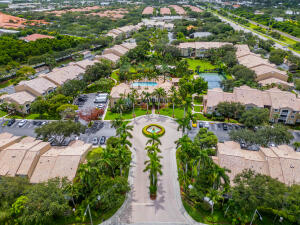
(256, 212)
(88, 209)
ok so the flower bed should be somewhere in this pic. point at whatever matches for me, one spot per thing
(153, 129)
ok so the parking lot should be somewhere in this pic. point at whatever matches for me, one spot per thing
(28, 130)
(86, 102)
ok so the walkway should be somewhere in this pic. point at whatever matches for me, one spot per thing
(138, 208)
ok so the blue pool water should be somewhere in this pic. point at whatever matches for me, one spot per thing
(213, 79)
(143, 84)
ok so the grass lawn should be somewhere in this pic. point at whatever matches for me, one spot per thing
(198, 108)
(168, 111)
(45, 116)
(138, 112)
(205, 216)
(2, 113)
(200, 116)
(115, 76)
(204, 65)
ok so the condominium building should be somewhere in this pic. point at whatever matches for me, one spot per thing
(148, 10)
(266, 73)
(36, 87)
(22, 100)
(165, 11)
(61, 75)
(284, 106)
(281, 162)
(197, 49)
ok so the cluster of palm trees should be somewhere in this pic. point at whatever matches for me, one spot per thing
(199, 176)
(153, 165)
(102, 182)
(174, 96)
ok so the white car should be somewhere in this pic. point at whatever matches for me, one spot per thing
(206, 125)
(22, 123)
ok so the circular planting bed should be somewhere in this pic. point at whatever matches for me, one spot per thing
(153, 129)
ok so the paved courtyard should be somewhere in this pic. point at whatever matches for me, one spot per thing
(167, 208)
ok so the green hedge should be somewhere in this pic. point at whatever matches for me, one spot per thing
(148, 134)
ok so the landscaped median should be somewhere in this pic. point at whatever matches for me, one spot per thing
(151, 129)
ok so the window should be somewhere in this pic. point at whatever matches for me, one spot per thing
(285, 111)
(276, 110)
(293, 117)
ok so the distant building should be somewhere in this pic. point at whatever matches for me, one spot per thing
(197, 49)
(148, 10)
(34, 37)
(165, 11)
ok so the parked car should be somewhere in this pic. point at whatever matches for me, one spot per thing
(225, 127)
(37, 123)
(11, 122)
(100, 100)
(105, 95)
(44, 123)
(201, 124)
(95, 141)
(101, 106)
(206, 125)
(22, 123)
(102, 140)
(194, 125)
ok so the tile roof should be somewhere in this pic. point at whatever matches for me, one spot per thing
(85, 63)
(20, 98)
(270, 81)
(111, 57)
(194, 8)
(60, 162)
(280, 162)
(39, 85)
(60, 75)
(179, 10)
(165, 11)
(34, 37)
(7, 139)
(202, 45)
(246, 95)
(253, 60)
(148, 10)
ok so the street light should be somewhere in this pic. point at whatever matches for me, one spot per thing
(88, 209)
(256, 212)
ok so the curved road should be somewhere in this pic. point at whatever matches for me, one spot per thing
(167, 208)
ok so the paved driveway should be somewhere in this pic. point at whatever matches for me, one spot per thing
(166, 208)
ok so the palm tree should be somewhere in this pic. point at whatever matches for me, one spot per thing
(187, 103)
(173, 97)
(185, 145)
(152, 149)
(124, 129)
(153, 139)
(146, 97)
(117, 122)
(119, 105)
(183, 124)
(159, 93)
(154, 166)
(133, 95)
(214, 196)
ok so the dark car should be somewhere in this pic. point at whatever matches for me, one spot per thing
(102, 140)
(201, 124)
(37, 123)
(11, 122)
(225, 127)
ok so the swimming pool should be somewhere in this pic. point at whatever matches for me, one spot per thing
(213, 79)
(143, 84)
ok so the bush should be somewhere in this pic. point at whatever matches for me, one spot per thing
(148, 134)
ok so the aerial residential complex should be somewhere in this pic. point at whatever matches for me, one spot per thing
(124, 112)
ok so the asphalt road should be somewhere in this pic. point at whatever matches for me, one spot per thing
(238, 27)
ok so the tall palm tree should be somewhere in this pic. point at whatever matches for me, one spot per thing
(185, 144)
(173, 96)
(146, 97)
(117, 122)
(153, 139)
(124, 129)
(187, 103)
(151, 149)
(133, 95)
(159, 93)
(154, 167)
(183, 124)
